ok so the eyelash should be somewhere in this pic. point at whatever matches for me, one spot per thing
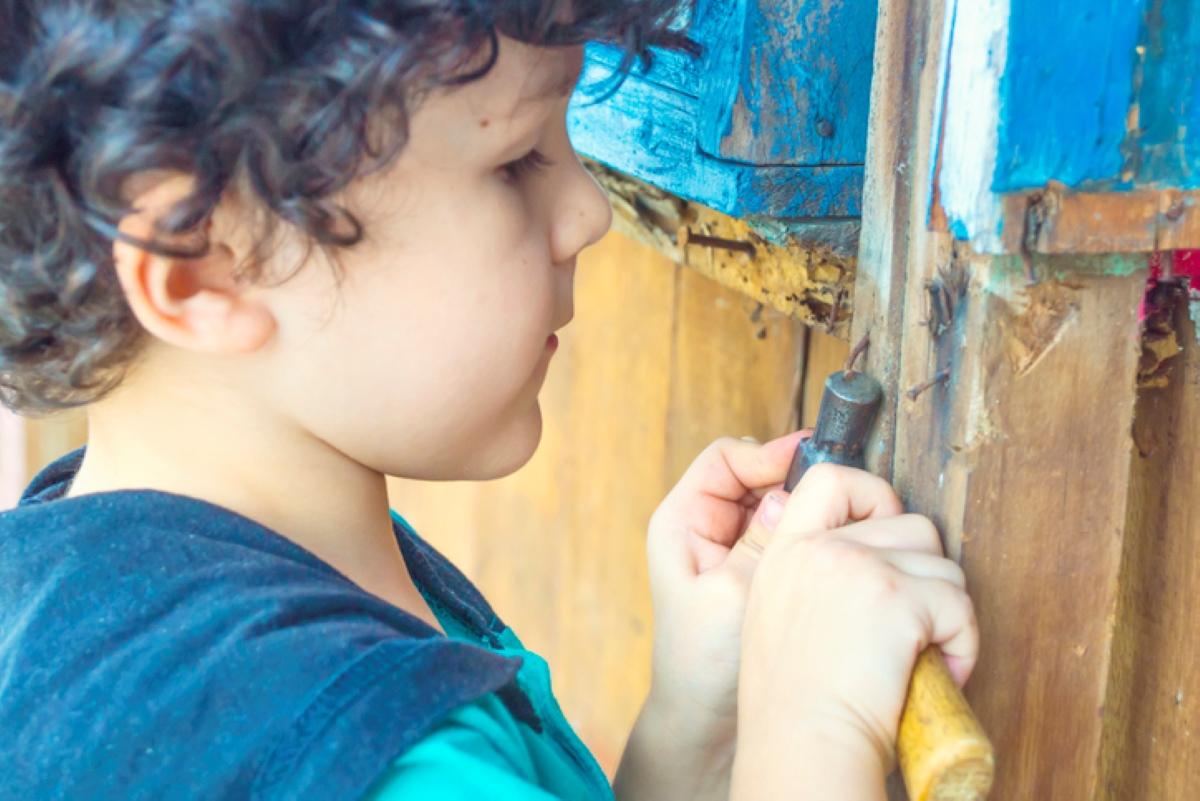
(528, 164)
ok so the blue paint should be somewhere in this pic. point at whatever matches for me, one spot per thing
(793, 74)
(770, 122)
(648, 130)
(1072, 78)
(1166, 149)
(1065, 92)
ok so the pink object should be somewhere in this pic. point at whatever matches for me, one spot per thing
(1171, 264)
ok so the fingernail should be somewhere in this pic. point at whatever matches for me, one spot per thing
(770, 511)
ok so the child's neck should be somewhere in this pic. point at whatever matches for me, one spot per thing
(218, 450)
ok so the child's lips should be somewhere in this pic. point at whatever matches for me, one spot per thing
(552, 342)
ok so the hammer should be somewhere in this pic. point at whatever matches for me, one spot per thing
(943, 752)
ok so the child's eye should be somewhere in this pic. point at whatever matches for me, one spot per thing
(531, 162)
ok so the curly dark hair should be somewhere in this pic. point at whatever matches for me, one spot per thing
(275, 93)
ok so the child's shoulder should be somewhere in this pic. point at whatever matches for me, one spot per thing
(141, 619)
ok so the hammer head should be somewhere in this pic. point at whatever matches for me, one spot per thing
(848, 410)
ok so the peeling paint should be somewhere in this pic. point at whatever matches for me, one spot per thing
(805, 273)
(1005, 275)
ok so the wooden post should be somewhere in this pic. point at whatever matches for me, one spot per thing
(1008, 422)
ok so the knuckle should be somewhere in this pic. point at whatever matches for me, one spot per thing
(825, 475)
(727, 587)
(926, 532)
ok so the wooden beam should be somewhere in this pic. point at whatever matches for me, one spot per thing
(805, 270)
(1021, 451)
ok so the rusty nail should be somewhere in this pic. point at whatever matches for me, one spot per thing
(1175, 212)
(862, 345)
(689, 237)
(824, 129)
(833, 312)
(916, 391)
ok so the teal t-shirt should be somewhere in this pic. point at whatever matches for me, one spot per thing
(482, 752)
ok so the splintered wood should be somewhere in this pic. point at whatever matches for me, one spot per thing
(803, 270)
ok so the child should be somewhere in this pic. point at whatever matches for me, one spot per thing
(281, 249)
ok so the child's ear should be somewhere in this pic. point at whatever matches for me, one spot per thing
(195, 304)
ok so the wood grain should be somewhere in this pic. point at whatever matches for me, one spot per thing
(1022, 456)
(1151, 715)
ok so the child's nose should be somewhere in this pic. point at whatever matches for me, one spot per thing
(582, 215)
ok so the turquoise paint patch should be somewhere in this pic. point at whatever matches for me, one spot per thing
(1007, 272)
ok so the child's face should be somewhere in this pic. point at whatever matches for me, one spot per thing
(427, 360)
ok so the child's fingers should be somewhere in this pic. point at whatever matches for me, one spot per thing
(729, 467)
(746, 552)
(952, 625)
(831, 496)
(904, 532)
(925, 565)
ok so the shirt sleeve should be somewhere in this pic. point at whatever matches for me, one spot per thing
(476, 754)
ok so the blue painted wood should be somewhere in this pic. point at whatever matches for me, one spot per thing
(1065, 91)
(769, 122)
(1166, 150)
(648, 130)
(787, 81)
(1101, 98)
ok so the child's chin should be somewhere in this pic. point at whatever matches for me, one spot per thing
(511, 451)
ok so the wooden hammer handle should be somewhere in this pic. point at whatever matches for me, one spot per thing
(944, 754)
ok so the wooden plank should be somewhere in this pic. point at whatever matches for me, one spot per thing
(786, 81)
(650, 132)
(736, 371)
(1024, 459)
(1073, 73)
(824, 354)
(805, 271)
(1078, 222)
(1151, 746)
(1090, 148)
(905, 95)
(1020, 454)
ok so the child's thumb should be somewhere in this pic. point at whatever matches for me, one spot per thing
(749, 548)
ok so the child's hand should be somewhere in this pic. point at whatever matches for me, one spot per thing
(838, 612)
(700, 583)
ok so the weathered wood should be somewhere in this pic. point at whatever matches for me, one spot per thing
(823, 355)
(1021, 454)
(769, 120)
(805, 271)
(1061, 221)
(1093, 147)
(1151, 717)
